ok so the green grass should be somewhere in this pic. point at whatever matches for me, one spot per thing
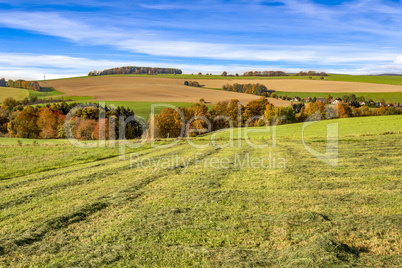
(16, 93)
(142, 109)
(20, 93)
(47, 92)
(64, 206)
(390, 80)
(357, 126)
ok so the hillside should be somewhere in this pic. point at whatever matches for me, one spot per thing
(163, 89)
(376, 79)
(61, 205)
(298, 85)
(145, 89)
(16, 93)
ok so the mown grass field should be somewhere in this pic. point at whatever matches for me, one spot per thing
(16, 93)
(65, 206)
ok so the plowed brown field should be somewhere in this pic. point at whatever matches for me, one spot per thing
(296, 85)
(147, 89)
(152, 89)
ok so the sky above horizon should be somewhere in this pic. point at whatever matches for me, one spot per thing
(71, 38)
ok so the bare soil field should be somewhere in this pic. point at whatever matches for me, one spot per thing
(295, 85)
(147, 89)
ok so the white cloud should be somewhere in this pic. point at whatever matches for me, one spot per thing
(33, 66)
(150, 43)
(131, 35)
(399, 60)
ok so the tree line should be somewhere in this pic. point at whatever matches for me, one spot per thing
(31, 85)
(255, 89)
(48, 122)
(136, 70)
(255, 113)
(311, 73)
(280, 73)
(265, 73)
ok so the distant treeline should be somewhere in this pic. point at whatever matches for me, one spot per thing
(312, 73)
(136, 70)
(281, 73)
(255, 89)
(265, 73)
(32, 85)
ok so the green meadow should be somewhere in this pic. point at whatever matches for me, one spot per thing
(47, 92)
(66, 206)
(16, 93)
(142, 109)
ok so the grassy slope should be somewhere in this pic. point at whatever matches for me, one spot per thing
(90, 209)
(390, 80)
(16, 93)
(47, 92)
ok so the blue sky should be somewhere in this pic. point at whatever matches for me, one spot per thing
(71, 38)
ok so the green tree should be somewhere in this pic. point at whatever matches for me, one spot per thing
(9, 103)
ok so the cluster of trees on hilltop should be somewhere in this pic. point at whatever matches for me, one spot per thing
(31, 85)
(255, 89)
(48, 121)
(312, 73)
(265, 73)
(136, 70)
(192, 84)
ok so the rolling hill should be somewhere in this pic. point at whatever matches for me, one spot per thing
(80, 207)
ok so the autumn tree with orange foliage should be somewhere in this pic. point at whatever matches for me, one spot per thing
(102, 129)
(168, 123)
(255, 109)
(219, 114)
(316, 110)
(234, 112)
(344, 110)
(49, 122)
(83, 129)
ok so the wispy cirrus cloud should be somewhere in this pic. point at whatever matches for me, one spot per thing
(149, 43)
(351, 36)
